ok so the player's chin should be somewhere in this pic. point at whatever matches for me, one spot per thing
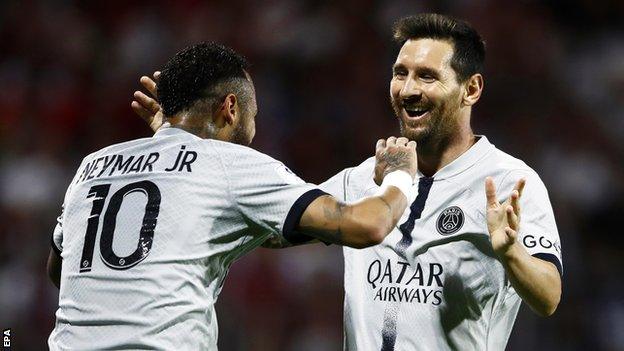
(415, 133)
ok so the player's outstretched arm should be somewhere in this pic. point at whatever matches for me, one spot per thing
(536, 281)
(368, 221)
(146, 106)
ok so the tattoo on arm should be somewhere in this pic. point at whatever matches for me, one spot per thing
(331, 214)
(396, 161)
(335, 213)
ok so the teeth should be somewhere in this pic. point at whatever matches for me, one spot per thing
(415, 112)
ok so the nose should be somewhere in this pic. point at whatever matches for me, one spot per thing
(411, 90)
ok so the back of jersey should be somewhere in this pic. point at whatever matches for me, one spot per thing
(148, 232)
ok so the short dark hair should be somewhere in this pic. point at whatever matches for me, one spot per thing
(468, 47)
(194, 74)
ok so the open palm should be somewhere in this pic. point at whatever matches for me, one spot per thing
(503, 219)
(147, 107)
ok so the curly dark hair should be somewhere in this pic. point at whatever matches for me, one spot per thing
(468, 47)
(194, 74)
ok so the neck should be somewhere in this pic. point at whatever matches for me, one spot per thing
(435, 154)
(193, 125)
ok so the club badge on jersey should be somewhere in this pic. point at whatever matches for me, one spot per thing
(450, 220)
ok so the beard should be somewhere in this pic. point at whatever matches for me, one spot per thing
(438, 126)
(242, 134)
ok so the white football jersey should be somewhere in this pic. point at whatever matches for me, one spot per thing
(435, 283)
(149, 230)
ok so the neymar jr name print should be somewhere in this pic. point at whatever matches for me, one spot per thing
(118, 164)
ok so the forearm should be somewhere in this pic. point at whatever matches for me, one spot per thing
(376, 214)
(368, 221)
(361, 224)
(536, 281)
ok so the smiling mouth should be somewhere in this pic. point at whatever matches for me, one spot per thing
(415, 112)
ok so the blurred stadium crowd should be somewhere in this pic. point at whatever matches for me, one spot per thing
(554, 97)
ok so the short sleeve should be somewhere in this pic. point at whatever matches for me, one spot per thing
(335, 186)
(265, 191)
(538, 229)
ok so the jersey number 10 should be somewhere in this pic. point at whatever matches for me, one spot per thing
(99, 193)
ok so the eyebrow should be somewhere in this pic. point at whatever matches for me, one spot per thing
(425, 70)
(398, 65)
(428, 70)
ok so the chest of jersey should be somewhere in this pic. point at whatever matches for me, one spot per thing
(438, 255)
(440, 213)
(434, 272)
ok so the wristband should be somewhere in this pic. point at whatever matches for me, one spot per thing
(399, 179)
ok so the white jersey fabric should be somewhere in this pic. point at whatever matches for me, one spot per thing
(434, 283)
(149, 230)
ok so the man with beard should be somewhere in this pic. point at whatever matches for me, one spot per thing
(453, 273)
(173, 212)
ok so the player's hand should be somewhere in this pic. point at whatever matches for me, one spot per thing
(503, 220)
(146, 106)
(394, 154)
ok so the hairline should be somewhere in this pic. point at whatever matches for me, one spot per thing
(219, 90)
(402, 36)
(446, 39)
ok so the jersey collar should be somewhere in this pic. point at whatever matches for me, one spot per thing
(466, 160)
(166, 129)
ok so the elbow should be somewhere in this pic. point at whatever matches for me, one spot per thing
(546, 301)
(551, 307)
(372, 235)
(365, 230)
(548, 308)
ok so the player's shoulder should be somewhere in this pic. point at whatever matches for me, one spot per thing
(162, 140)
(358, 175)
(247, 165)
(115, 148)
(364, 169)
(359, 178)
(504, 166)
(232, 153)
(506, 162)
(165, 140)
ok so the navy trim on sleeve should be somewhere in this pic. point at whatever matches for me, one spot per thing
(294, 215)
(552, 259)
(56, 250)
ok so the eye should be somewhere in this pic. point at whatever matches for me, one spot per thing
(427, 78)
(399, 73)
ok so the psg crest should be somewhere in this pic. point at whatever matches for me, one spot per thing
(450, 220)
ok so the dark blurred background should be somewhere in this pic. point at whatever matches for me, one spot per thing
(554, 97)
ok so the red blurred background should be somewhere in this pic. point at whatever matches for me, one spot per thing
(554, 97)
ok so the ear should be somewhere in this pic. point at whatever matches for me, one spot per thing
(472, 90)
(227, 112)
